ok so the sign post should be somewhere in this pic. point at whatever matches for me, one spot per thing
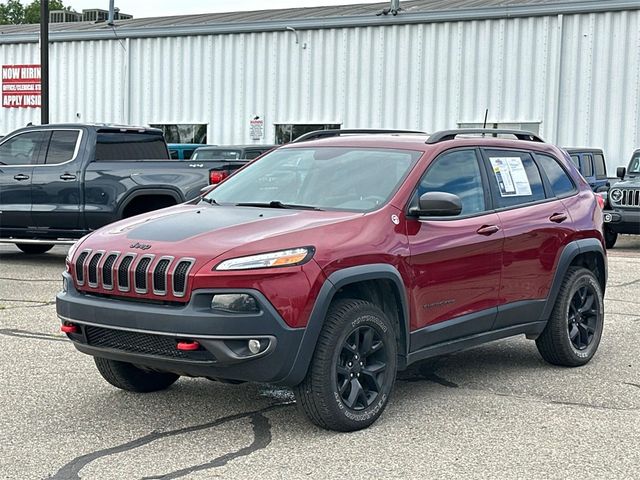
(44, 60)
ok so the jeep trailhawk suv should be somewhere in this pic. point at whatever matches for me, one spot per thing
(333, 262)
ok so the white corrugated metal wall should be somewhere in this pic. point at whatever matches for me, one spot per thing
(578, 75)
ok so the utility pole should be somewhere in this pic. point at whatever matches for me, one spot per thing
(44, 61)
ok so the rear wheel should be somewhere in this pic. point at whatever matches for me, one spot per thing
(34, 248)
(573, 332)
(353, 368)
(610, 237)
(127, 376)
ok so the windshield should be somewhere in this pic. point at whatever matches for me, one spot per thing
(634, 165)
(327, 178)
(217, 154)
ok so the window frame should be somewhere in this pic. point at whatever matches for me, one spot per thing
(587, 159)
(545, 179)
(42, 152)
(495, 195)
(488, 200)
(595, 166)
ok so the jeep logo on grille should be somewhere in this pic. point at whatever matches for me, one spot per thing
(141, 246)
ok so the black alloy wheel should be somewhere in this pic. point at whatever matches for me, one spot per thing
(583, 317)
(361, 367)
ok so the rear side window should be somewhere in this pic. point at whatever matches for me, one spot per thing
(251, 154)
(456, 172)
(62, 146)
(560, 181)
(601, 169)
(130, 146)
(576, 161)
(587, 166)
(23, 149)
(514, 177)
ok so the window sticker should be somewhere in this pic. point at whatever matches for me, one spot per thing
(511, 176)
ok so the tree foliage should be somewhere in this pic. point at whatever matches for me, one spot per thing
(13, 13)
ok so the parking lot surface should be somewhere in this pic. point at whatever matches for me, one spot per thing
(496, 411)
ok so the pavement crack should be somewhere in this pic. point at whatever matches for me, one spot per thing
(261, 439)
(631, 384)
(262, 432)
(607, 299)
(14, 332)
(12, 279)
(37, 304)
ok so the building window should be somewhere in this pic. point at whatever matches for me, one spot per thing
(287, 132)
(183, 132)
(533, 127)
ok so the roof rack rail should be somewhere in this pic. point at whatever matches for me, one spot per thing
(317, 134)
(451, 134)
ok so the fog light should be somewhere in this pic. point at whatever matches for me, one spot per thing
(608, 218)
(254, 346)
(235, 303)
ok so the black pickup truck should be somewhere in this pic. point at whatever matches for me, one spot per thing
(59, 182)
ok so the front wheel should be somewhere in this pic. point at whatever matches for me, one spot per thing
(573, 332)
(353, 368)
(34, 248)
(127, 376)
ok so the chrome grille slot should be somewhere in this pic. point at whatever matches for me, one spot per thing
(140, 276)
(107, 271)
(630, 198)
(93, 269)
(123, 273)
(180, 276)
(160, 276)
(80, 266)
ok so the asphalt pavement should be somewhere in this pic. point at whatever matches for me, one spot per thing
(496, 411)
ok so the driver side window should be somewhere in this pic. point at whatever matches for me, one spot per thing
(23, 149)
(456, 172)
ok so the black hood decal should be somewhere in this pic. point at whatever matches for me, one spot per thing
(182, 225)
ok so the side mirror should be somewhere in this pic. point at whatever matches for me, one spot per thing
(603, 188)
(621, 172)
(437, 204)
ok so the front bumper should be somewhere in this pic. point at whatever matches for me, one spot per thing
(147, 334)
(623, 221)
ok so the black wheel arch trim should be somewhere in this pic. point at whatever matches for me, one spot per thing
(335, 281)
(143, 191)
(569, 253)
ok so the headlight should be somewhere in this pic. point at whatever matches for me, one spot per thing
(615, 195)
(283, 258)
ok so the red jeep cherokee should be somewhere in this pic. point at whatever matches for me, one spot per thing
(332, 262)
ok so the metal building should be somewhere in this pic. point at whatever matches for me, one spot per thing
(567, 69)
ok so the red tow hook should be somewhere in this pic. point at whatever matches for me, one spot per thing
(69, 328)
(188, 346)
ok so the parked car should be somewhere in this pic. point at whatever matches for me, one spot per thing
(623, 212)
(183, 151)
(230, 158)
(59, 182)
(592, 166)
(331, 263)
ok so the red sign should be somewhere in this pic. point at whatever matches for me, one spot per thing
(21, 86)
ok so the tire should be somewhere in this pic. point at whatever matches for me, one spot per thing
(571, 340)
(127, 376)
(357, 351)
(34, 248)
(610, 237)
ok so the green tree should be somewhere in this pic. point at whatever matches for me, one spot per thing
(11, 13)
(32, 11)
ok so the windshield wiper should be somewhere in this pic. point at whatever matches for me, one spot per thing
(278, 204)
(210, 201)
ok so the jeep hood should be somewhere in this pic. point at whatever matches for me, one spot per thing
(207, 231)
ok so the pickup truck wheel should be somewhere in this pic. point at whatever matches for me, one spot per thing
(127, 376)
(610, 237)
(574, 329)
(34, 248)
(353, 368)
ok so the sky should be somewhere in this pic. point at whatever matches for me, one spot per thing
(158, 8)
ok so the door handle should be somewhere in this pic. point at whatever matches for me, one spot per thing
(558, 217)
(67, 176)
(20, 177)
(488, 229)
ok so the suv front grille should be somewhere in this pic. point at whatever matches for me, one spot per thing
(630, 197)
(130, 273)
(142, 343)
